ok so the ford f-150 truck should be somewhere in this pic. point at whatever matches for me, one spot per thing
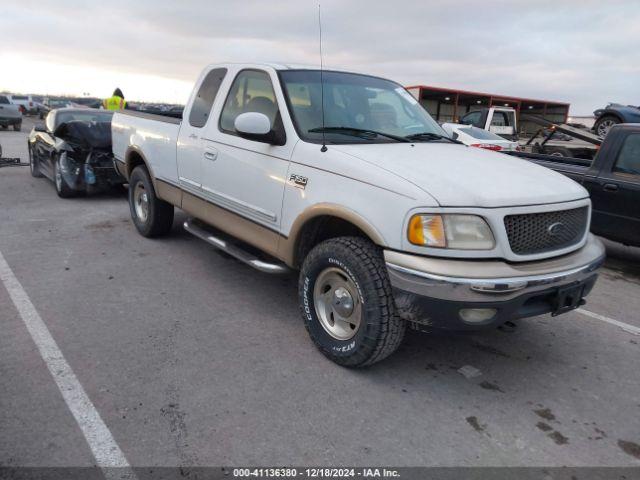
(346, 178)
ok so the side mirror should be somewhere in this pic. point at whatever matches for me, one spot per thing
(254, 126)
(40, 127)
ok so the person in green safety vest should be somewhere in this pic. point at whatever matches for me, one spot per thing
(116, 101)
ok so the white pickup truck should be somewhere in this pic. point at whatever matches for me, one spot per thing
(390, 222)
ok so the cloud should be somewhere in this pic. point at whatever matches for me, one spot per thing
(584, 52)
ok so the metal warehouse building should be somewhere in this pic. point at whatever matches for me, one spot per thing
(448, 105)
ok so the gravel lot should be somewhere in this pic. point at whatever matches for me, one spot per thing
(192, 358)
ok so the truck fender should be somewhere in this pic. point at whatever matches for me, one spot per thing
(288, 248)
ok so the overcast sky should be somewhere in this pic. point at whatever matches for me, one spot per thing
(583, 52)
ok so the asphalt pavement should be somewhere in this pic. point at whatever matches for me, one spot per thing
(192, 358)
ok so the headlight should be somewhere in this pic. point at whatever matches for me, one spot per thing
(464, 232)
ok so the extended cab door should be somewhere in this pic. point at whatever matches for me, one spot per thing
(247, 177)
(191, 144)
(616, 191)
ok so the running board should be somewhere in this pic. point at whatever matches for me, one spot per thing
(218, 241)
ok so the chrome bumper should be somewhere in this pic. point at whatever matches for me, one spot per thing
(490, 281)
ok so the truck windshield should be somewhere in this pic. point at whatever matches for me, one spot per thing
(352, 103)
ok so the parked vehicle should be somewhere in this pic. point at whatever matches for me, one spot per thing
(73, 149)
(390, 222)
(498, 120)
(26, 102)
(9, 114)
(613, 114)
(477, 137)
(52, 104)
(613, 181)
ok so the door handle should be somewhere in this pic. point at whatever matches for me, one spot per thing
(211, 155)
(193, 135)
(610, 187)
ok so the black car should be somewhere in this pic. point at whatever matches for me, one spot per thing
(73, 149)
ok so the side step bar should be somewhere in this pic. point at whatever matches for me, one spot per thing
(195, 228)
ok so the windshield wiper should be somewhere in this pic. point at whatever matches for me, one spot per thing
(431, 136)
(358, 132)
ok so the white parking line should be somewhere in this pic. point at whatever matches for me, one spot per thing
(624, 326)
(106, 451)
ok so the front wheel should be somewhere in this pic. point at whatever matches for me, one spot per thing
(34, 168)
(347, 304)
(152, 216)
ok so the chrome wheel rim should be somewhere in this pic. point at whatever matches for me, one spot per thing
(141, 202)
(338, 304)
(604, 127)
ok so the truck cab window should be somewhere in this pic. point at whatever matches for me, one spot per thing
(203, 102)
(472, 118)
(4, 100)
(252, 91)
(628, 160)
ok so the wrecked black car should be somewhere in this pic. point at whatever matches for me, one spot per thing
(73, 149)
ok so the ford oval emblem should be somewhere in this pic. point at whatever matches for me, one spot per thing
(556, 229)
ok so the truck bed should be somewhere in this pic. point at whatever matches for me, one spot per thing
(153, 136)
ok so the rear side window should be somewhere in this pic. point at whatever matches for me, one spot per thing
(4, 100)
(628, 160)
(202, 104)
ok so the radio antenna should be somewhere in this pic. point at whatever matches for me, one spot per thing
(324, 143)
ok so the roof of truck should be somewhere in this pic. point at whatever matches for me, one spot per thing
(283, 66)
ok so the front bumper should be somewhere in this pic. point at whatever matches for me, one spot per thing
(432, 291)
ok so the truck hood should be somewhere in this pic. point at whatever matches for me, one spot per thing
(460, 176)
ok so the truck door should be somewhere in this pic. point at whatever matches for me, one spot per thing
(190, 139)
(502, 122)
(247, 177)
(616, 194)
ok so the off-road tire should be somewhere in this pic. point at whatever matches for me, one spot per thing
(381, 330)
(34, 168)
(159, 218)
(62, 188)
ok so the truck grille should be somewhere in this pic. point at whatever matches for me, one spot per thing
(543, 232)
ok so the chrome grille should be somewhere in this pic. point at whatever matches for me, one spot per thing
(532, 233)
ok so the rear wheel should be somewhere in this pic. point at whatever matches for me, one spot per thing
(62, 188)
(347, 304)
(604, 124)
(152, 216)
(17, 126)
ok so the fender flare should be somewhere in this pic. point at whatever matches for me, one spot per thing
(290, 245)
(133, 149)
